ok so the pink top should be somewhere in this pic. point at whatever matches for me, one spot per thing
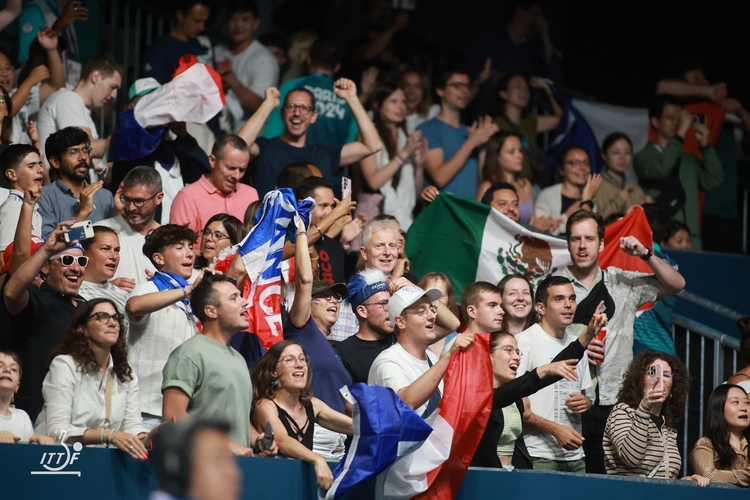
(196, 203)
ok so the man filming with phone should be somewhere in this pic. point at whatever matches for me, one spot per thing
(70, 196)
(205, 377)
(39, 316)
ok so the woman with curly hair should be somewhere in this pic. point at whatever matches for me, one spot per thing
(640, 438)
(722, 455)
(90, 392)
(282, 396)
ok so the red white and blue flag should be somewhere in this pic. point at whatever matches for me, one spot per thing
(412, 457)
(261, 252)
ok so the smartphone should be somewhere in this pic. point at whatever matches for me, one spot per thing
(80, 231)
(699, 118)
(655, 372)
(268, 440)
(346, 187)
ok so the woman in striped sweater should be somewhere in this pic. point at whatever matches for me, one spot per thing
(640, 438)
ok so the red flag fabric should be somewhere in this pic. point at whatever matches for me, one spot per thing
(466, 406)
(188, 60)
(633, 224)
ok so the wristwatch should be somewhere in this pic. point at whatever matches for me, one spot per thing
(648, 255)
(590, 203)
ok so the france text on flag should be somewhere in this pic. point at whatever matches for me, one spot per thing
(261, 252)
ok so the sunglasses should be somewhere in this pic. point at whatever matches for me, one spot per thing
(67, 260)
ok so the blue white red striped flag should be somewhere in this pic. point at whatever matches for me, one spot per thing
(261, 252)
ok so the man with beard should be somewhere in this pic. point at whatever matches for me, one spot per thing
(622, 292)
(299, 112)
(39, 316)
(368, 296)
(141, 194)
(70, 196)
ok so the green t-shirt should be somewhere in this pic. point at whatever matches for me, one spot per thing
(216, 379)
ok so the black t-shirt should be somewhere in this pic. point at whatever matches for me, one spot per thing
(36, 331)
(358, 355)
(566, 203)
(276, 154)
(331, 260)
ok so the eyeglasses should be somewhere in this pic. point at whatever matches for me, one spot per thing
(382, 303)
(458, 85)
(510, 350)
(104, 318)
(291, 360)
(578, 163)
(216, 235)
(77, 151)
(138, 202)
(67, 260)
(423, 311)
(291, 107)
(330, 295)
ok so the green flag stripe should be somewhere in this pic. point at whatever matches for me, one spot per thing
(447, 237)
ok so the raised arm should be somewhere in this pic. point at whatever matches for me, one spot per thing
(22, 238)
(670, 280)
(303, 280)
(253, 126)
(140, 305)
(370, 142)
(376, 176)
(9, 14)
(547, 122)
(48, 39)
(16, 294)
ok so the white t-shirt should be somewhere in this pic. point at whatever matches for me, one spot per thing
(9, 212)
(171, 182)
(400, 201)
(539, 348)
(18, 423)
(133, 263)
(64, 108)
(150, 342)
(256, 68)
(396, 368)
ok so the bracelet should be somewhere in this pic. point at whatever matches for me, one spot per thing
(101, 436)
(398, 155)
(300, 233)
(184, 292)
(587, 202)
(315, 258)
(322, 238)
(648, 255)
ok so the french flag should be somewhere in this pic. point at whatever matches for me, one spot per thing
(261, 252)
(411, 457)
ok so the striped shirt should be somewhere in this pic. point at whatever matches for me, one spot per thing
(634, 445)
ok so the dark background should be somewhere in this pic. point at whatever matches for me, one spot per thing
(613, 51)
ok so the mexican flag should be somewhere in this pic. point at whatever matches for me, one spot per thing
(470, 241)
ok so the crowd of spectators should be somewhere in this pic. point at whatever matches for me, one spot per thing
(133, 326)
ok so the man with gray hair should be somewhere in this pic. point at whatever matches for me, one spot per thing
(141, 195)
(379, 250)
(218, 192)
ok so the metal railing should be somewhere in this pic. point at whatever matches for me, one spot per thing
(710, 357)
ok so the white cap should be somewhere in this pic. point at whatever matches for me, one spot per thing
(407, 296)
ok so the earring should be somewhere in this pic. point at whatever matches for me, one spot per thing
(275, 383)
